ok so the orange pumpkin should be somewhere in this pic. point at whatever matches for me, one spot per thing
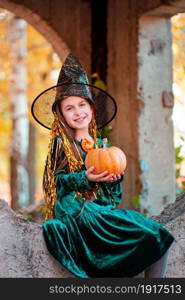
(110, 159)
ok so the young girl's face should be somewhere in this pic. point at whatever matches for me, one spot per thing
(76, 111)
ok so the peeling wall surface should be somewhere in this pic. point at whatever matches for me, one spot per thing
(156, 150)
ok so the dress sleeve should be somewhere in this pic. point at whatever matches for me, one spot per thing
(67, 182)
(116, 187)
(116, 190)
(72, 181)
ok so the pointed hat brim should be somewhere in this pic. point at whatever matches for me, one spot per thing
(105, 105)
(73, 81)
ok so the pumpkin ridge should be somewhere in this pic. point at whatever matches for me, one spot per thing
(114, 162)
(99, 159)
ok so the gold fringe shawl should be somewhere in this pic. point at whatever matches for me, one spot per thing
(56, 145)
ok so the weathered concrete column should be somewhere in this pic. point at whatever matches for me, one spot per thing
(142, 83)
(155, 135)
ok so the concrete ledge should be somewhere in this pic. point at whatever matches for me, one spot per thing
(23, 252)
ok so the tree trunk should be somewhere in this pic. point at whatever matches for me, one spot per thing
(31, 163)
(19, 179)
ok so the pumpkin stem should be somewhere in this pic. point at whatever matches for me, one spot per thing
(104, 142)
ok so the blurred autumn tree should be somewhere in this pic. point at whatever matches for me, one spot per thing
(42, 66)
(19, 175)
(178, 33)
(178, 49)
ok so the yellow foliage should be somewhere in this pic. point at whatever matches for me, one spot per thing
(40, 63)
(178, 47)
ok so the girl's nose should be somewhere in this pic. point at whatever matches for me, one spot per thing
(77, 112)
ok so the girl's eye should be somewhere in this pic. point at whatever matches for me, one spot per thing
(82, 104)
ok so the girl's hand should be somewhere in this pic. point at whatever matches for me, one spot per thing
(104, 176)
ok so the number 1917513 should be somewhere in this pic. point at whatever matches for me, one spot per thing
(160, 289)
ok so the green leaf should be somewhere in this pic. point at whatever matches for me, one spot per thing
(183, 183)
(179, 159)
(135, 201)
(177, 150)
(177, 173)
(28, 218)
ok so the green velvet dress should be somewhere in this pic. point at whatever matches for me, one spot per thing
(101, 240)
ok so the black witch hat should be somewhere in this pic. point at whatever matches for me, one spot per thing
(73, 81)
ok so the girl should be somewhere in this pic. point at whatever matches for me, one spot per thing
(84, 230)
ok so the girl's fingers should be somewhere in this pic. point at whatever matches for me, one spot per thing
(107, 178)
(111, 177)
(97, 175)
(101, 174)
(114, 177)
(104, 176)
(89, 170)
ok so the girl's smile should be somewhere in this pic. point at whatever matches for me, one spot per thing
(80, 119)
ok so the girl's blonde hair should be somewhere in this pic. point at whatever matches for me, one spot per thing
(62, 139)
